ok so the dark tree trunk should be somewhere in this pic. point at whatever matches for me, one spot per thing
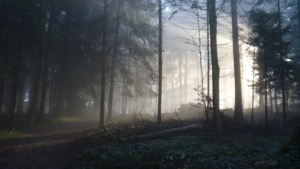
(15, 84)
(159, 63)
(215, 63)
(113, 67)
(2, 85)
(35, 90)
(282, 76)
(238, 107)
(208, 69)
(266, 90)
(44, 88)
(276, 100)
(103, 66)
(271, 99)
(20, 97)
(253, 87)
(298, 4)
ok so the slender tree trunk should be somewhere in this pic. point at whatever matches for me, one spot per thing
(208, 68)
(124, 97)
(44, 87)
(282, 76)
(266, 90)
(113, 67)
(271, 99)
(276, 100)
(180, 79)
(159, 62)
(2, 85)
(253, 88)
(20, 97)
(35, 89)
(215, 63)
(15, 84)
(238, 107)
(298, 4)
(51, 97)
(186, 80)
(103, 66)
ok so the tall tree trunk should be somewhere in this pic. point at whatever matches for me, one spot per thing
(159, 62)
(20, 97)
(113, 64)
(2, 85)
(253, 88)
(215, 63)
(238, 107)
(180, 79)
(44, 87)
(282, 76)
(276, 100)
(208, 68)
(15, 84)
(35, 89)
(271, 99)
(124, 97)
(103, 66)
(298, 4)
(266, 90)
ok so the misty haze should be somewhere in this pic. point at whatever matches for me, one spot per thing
(149, 84)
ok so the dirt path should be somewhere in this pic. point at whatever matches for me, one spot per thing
(47, 146)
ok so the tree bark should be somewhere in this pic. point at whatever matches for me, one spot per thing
(266, 89)
(159, 63)
(35, 89)
(298, 4)
(208, 69)
(215, 63)
(103, 66)
(113, 67)
(15, 84)
(282, 76)
(44, 87)
(238, 107)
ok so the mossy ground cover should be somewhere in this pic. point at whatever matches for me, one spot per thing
(10, 134)
(199, 150)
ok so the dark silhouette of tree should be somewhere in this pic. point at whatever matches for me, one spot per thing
(103, 65)
(238, 107)
(159, 64)
(211, 6)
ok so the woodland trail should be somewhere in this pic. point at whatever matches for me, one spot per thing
(48, 146)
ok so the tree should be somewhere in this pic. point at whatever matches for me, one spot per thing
(211, 6)
(113, 64)
(273, 52)
(103, 67)
(238, 107)
(159, 64)
(282, 76)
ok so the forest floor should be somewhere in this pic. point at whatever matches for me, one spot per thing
(50, 145)
(79, 144)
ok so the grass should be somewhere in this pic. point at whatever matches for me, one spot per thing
(198, 151)
(10, 134)
(66, 119)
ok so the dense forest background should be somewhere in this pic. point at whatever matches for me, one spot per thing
(79, 58)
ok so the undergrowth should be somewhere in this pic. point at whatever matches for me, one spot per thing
(197, 151)
(10, 134)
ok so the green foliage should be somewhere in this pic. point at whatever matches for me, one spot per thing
(205, 151)
(10, 134)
